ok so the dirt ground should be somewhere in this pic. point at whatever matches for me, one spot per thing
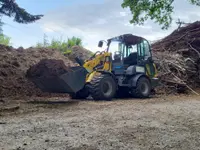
(170, 122)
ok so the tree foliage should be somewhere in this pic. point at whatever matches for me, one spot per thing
(11, 9)
(60, 44)
(158, 10)
(5, 40)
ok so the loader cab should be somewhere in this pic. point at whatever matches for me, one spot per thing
(130, 50)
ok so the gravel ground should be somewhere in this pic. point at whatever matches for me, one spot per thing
(157, 123)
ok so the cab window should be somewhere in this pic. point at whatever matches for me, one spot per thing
(131, 49)
(144, 49)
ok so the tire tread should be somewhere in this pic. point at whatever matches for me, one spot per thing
(136, 91)
(94, 87)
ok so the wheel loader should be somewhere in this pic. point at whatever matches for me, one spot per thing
(124, 68)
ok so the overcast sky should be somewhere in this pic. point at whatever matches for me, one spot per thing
(89, 19)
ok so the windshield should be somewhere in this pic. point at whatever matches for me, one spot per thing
(116, 47)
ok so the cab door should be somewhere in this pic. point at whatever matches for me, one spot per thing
(145, 58)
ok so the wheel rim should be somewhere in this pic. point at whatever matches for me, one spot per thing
(144, 88)
(107, 88)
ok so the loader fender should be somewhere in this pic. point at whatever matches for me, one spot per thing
(91, 76)
(97, 73)
(134, 79)
(109, 73)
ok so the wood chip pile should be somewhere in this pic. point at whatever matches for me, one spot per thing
(178, 59)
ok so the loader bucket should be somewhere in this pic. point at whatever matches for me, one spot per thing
(69, 82)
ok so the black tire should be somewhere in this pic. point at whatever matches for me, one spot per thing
(82, 94)
(143, 88)
(103, 87)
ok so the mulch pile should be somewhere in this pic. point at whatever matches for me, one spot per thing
(47, 68)
(14, 65)
(79, 52)
(178, 59)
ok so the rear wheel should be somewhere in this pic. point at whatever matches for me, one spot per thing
(103, 87)
(143, 88)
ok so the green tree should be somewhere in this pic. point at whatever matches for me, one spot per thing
(158, 10)
(74, 41)
(60, 44)
(5, 40)
(11, 9)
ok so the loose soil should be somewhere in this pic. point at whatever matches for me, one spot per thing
(14, 65)
(170, 122)
(47, 68)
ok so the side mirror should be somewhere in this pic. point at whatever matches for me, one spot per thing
(100, 44)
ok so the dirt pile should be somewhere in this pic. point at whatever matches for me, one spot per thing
(80, 52)
(14, 65)
(178, 59)
(47, 68)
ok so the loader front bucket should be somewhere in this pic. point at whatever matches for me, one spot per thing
(70, 82)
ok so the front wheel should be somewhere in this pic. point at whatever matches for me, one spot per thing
(103, 87)
(142, 89)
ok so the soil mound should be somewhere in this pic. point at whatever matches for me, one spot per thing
(47, 68)
(178, 59)
(79, 52)
(14, 65)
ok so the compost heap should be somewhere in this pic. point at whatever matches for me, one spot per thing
(47, 68)
(178, 59)
(14, 65)
(79, 52)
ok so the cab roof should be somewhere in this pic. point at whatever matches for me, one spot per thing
(128, 39)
